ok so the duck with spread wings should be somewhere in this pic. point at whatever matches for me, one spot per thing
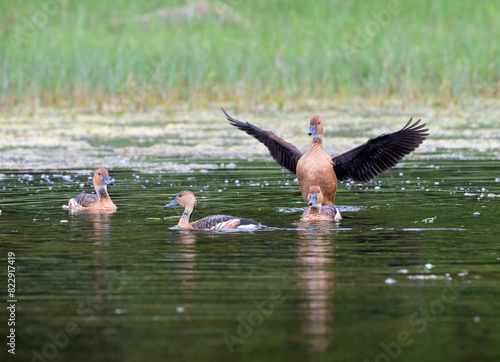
(317, 168)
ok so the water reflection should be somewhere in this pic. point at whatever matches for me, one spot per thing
(106, 280)
(101, 226)
(317, 281)
(187, 260)
(78, 266)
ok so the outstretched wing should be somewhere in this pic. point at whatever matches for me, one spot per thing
(284, 153)
(379, 154)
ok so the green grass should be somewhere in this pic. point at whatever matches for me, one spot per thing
(90, 53)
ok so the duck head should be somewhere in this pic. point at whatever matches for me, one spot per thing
(184, 198)
(101, 178)
(316, 128)
(315, 197)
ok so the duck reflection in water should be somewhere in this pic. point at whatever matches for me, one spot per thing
(96, 224)
(317, 284)
(186, 256)
(107, 281)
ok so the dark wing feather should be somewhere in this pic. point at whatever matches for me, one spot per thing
(329, 211)
(245, 221)
(284, 153)
(379, 154)
(210, 221)
(86, 199)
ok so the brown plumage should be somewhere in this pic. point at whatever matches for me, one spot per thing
(98, 202)
(316, 211)
(85, 200)
(188, 200)
(317, 168)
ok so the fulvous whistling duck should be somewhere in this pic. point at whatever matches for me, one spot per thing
(316, 211)
(98, 202)
(317, 168)
(188, 200)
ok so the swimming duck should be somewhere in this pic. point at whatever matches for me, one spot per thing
(316, 211)
(317, 168)
(97, 202)
(188, 200)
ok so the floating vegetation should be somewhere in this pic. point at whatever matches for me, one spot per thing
(161, 142)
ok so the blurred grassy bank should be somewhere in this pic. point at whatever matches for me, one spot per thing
(135, 54)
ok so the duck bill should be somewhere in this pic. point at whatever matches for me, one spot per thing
(106, 180)
(312, 199)
(312, 130)
(172, 203)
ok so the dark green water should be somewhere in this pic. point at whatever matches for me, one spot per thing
(410, 274)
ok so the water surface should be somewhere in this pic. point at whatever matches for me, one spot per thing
(410, 273)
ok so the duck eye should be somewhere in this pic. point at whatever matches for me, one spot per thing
(319, 122)
(99, 174)
(180, 195)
